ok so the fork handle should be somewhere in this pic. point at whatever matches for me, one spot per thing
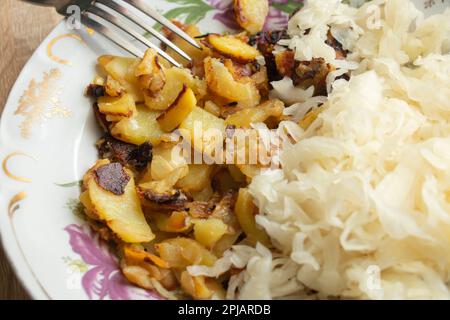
(61, 5)
(47, 3)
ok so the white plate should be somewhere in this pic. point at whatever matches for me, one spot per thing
(47, 142)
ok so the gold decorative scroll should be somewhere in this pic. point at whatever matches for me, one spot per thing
(6, 170)
(56, 40)
(13, 203)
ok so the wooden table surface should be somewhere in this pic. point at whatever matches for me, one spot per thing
(22, 29)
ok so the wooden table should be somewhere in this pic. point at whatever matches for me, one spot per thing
(22, 28)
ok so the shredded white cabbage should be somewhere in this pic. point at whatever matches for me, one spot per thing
(361, 206)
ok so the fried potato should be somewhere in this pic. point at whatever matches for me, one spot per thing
(135, 254)
(204, 130)
(183, 252)
(245, 212)
(176, 222)
(123, 70)
(208, 231)
(251, 14)
(167, 158)
(176, 78)
(118, 107)
(221, 82)
(120, 208)
(150, 74)
(197, 179)
(201, 288)
(140, 128)
(232, 47)
(113, 87)
(245, 117)
(172, 117)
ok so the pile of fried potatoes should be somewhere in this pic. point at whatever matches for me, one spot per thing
(162, 212)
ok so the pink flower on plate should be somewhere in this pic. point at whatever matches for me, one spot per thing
(225, 14)
(104, 278)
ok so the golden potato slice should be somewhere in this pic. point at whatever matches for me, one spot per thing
(245, 212)
(251, 14)
(183, 252)
(172, 117)
(232, 47)
(121, 212)
(221, 82)
(176, 78)
(140, 128)
(123, 70)
(113, 87)
(150, 74)
(208, 231)
(204, 131)
(245, 117)
(197, 179)
(167, 158)
(119, 107)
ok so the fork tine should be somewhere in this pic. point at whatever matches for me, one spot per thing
(118, 23)
(128, 14)
(139, 4)
(94, 25)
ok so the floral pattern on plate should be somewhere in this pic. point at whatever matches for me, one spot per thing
(192, 11)
(104, 278)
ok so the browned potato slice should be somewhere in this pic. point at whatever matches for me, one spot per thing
(120, 107)
(140, 128)
(232, 47)
(114, 201)
(245, 212)
(113, 87)
(209, 231)
(221, 82)
(123, 70)
(172, 117)
(176, 78)
(183, 252)
(150, 73)
(251, 14)
(245, 117)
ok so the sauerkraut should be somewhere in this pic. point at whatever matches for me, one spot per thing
(361, 206)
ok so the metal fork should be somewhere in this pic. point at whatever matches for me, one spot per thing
(93, 15)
